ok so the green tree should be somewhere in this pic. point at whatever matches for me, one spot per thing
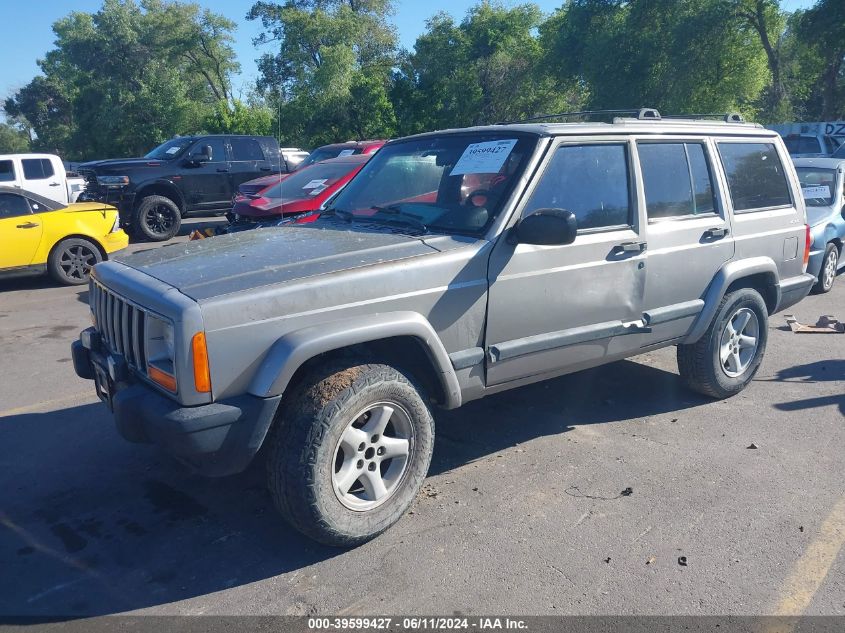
(332, 69)
(485, 69)
(819, 33)
(123, 79)
(681, 57)
(13, 140)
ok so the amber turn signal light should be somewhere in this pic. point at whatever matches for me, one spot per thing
(202, 375)
(161, 378)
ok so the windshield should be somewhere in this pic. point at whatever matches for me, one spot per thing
(305, 183)
(452, 183)
(170, 149)
(326, 153)
(840, 152)
(818, 186)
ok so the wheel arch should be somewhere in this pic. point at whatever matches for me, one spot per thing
(78, 236)
(161, 188)
(757, 273)
(405, 339)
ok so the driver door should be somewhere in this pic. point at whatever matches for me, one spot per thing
(206, 185)
(555, 309)
(20, 231)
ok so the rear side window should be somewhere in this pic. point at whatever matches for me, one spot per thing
(677, 180)
(37, 168)
(13, 205)
(589, 180)
(246, 149)
(7, 171)
(756, 178)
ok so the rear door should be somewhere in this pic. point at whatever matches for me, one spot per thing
(41, 176)
(248, 160)
(768, 218)
(20, 231)
(9, 173)
(563, 308)
(688, 231)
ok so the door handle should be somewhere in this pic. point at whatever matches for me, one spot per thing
(265, 168)
(716, 232)
(630, 247)
(222, 169)
(28, 225)
(54, 184)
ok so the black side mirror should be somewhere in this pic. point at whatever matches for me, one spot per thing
(546, 227)
(202, 156)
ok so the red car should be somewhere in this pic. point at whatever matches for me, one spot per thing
(335, 150)
(302, 191)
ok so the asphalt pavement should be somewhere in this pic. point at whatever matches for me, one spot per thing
(610, 491)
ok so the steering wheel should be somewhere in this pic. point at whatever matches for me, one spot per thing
(486, 193)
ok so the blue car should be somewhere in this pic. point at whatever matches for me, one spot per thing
(822, 187)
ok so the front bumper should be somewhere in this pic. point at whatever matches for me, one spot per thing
(115, 241)
(216, 439)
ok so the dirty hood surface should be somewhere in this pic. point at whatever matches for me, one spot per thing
(224, 264)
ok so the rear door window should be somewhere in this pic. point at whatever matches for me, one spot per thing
(37, 168)
(591, 181)
(677, 180)
(244, 149)
(756, 177)
(7, 171)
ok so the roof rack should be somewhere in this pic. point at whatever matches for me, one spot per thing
(728, 117)
(641, 114)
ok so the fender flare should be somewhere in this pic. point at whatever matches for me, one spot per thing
(177, 196)
(728, 274)
(293, 349)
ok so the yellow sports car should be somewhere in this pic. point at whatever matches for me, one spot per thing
(37, 234)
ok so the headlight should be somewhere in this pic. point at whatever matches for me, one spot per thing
(113, 181)
(116, 226)
(161, 354)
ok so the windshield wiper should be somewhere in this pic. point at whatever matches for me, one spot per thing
(402, 217)
(343, 215)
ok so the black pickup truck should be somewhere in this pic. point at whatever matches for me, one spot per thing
(187, 175)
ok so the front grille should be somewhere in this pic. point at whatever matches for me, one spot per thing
(120, 324)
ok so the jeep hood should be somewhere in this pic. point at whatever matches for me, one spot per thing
(225, 264)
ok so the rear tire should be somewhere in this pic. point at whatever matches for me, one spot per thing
(827, 274)
(157, 219)
(724, 360)
(349, 452)
(71, 260)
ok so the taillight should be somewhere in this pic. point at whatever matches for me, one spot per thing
(807, 243)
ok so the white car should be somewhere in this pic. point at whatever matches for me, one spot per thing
(43, 174)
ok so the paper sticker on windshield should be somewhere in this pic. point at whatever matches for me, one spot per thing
(483, 158)
(810, 193)
(313, 184)
(346, 152)
(173, 150)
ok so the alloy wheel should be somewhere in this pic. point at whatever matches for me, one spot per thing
(829, 271)
(738, 345)
(76, 262)
(159, 219)
(371, 456)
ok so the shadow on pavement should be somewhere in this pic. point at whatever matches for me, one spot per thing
(819, 371)
(93, 525)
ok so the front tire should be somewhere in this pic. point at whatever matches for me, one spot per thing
(827, 274)
(157, 219)
(71, 260)
(349, 452)
(724, 360)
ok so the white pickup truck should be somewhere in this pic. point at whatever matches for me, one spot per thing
(43, 174)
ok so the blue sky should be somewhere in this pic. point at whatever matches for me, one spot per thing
(25, 31)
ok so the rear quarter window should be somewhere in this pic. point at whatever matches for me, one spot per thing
(246, 149)
(7, 171)
(756, 176)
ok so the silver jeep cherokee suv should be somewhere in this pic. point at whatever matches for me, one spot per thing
(456, 264)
